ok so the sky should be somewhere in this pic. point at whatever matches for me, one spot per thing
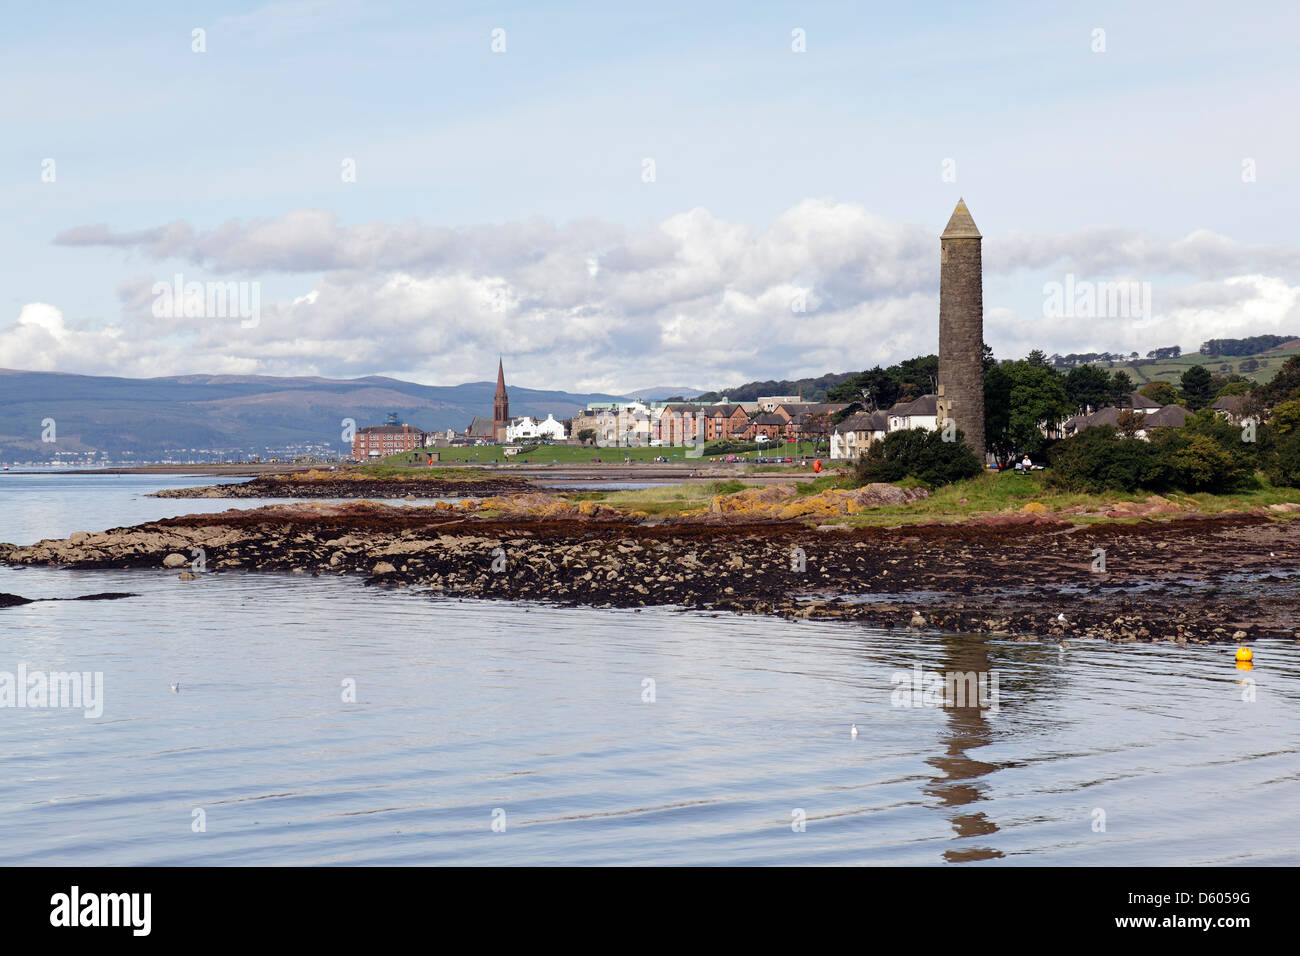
(615, 197)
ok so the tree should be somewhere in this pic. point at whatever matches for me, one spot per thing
(1285, 384)
(1088, 387)
(1038, 405)
(1021, 402)
(817, 426)
(1097, 460)
(997, 414)
(1161, 392)
(881, 388)
(1233, 388)
(1197, 387)
(1286, 416)
(874, 388)
(587, 436)
(989, 360)
(1036, 357)
(1121, 387)
(1128, 422)
(919, 453)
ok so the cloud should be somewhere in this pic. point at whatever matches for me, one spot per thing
(1101, 252)
(589, 305)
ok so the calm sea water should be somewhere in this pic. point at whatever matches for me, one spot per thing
(35, 505)
(539, 719)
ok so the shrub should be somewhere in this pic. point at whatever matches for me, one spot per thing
(1205, 455)
(1195, 462)
(919, 453)
(1097, 459)
(1283, 467)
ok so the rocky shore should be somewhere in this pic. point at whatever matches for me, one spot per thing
(1181, 579)
(352, 485)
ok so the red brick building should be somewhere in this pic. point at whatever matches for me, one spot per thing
(379, 441)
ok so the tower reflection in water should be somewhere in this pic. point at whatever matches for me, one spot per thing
(959, 790)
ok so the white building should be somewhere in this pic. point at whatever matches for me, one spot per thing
(529, 429)
(852, 437)
(921, 413)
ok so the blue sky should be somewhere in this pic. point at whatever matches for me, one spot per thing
(774, 171)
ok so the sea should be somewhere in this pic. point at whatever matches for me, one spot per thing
(275, 719)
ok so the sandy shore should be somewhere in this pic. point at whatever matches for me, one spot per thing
(1198, 580)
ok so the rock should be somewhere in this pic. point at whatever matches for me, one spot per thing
(175, 560)
(917, 620)
(188, 576)
(77, 537)
(383, 567)
(1238, 635)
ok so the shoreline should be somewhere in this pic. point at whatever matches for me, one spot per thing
(1194, 579)
(595, 473)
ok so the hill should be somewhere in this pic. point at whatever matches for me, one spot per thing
(209, 417)
(1259, 367)
(811, 389)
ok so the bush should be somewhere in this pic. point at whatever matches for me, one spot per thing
(919, 453)
(1098, 459)
(1204, 455)
(1283, 468)
(1195, 462)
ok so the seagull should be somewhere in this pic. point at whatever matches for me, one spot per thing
(853, 731)
(1061, 618)
(176, 688)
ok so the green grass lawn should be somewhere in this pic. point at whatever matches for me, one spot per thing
(579, 455)
(662, 499)
(989, 493)
(992, 492)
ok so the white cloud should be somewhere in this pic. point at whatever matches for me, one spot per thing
(593, 306)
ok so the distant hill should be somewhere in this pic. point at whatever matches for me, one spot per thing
(811, 389)
(198, 417)
(1259, 366)
(659, 393)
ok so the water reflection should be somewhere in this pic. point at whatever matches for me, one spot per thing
(959, 789)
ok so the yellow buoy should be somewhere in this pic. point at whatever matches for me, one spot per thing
(1245, 654)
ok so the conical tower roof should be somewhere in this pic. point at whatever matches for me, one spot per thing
(961, 225)
(501, 378)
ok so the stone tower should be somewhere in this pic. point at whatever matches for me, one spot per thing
(961, 328)
(500, 405)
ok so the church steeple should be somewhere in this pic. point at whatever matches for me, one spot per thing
(500, 404)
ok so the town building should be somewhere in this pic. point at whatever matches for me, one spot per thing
(1236, 409)
(380, 441)
(529, 429)
(852, 437)
(922, 412)
(1146, 419)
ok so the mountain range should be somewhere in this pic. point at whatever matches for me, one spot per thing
(201, 417)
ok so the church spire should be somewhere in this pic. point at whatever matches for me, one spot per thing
(500, 403)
